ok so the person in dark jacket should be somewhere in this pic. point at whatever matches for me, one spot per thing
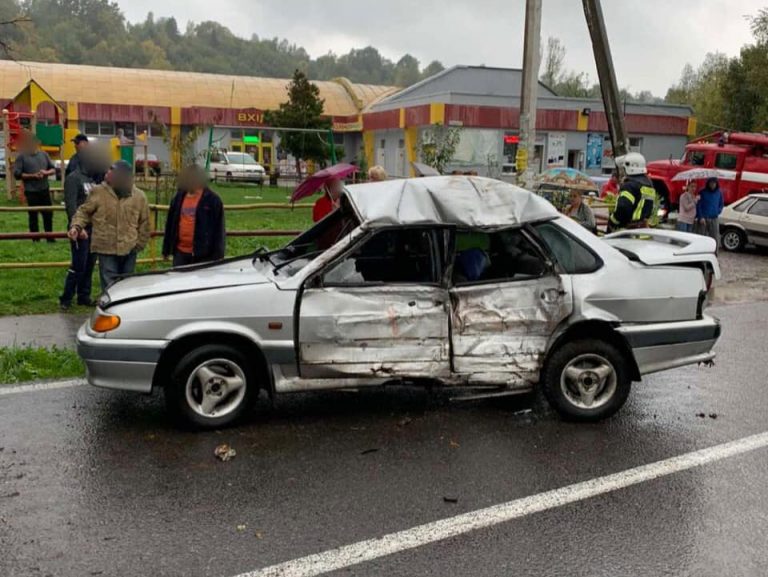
(77, 186)
(708, 209)
(81, 142)
(194, 230)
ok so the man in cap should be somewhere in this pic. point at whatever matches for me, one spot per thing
(81, 141)
(118, 213)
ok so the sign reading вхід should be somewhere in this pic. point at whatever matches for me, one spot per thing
(254, 117)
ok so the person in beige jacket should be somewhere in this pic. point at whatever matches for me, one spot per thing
(118, 213)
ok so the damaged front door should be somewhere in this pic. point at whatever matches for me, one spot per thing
(506, 303)
(380, 311)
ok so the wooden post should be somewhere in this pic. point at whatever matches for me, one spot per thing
(152, 246)
(146, 158)
(529, 95)
(9, 184)
(607, 75)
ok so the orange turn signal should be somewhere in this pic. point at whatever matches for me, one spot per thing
(105, 323)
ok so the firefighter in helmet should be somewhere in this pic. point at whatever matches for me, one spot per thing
(637, 196)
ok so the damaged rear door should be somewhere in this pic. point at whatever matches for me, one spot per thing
(379, 311)
(506, 302)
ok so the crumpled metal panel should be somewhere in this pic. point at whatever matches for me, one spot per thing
(465, 201)
(371, 331)
(501, 331)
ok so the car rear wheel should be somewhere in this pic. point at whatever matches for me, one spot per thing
(733, 240)
(586, 380)
(213, 386)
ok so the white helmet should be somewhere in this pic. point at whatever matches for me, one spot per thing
(633, 163)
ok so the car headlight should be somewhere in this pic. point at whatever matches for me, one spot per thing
(103, 323)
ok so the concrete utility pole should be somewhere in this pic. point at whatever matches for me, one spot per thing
(607, 76)
(531, 56)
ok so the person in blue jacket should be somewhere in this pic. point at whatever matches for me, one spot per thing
(708, 209)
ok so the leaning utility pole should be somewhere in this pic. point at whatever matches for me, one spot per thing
(607, 77)
(527, 147)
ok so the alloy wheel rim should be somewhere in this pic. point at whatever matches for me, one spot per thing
(731, 240)
(589, 381)
(215, 388)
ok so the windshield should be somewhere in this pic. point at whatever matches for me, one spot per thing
(240, 158)
(297, 254)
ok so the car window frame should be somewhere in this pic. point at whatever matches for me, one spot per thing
(691, 153)
(317, 280)
(743, 205)
(718, 155)
(600, 263)
(548, 262)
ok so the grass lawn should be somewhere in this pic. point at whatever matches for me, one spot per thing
(19, 364)
(37, 290)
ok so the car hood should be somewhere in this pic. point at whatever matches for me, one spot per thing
(229, 273)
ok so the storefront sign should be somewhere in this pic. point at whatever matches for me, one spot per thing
(594, 151)
(556, 149)
(250, 117)
(356, 126)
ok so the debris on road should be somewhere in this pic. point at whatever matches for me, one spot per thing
(701, 415)
(368, 451)
(224, 453)
(404, 421)
(450, 499)
(241, 528)
(712, 415)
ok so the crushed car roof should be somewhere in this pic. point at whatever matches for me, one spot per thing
(464, 201)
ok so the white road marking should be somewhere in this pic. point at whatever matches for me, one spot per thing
(32, 387)
(364, 551)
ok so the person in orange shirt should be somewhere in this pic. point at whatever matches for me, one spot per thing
(194, 229)
(329, 202)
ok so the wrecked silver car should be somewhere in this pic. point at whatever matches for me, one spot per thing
(468, 282)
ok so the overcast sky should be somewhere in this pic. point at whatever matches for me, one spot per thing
(651, 40)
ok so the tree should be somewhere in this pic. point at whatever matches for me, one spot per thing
(554, 60)
(437, 146)
(434, 67)
(304, 109)
(407, 71)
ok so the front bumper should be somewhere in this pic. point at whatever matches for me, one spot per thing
(661, 346)
(124, 364)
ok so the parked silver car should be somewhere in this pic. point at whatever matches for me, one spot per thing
(745, 222)
(468, 282)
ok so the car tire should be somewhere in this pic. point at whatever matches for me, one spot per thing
(733, 240)
(212, 386)
(586, 380)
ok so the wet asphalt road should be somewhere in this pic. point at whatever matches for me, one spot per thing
(97, 483)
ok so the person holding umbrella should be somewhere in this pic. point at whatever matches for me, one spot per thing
(686, 216)
(329, 202)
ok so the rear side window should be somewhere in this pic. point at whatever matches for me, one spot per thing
(572, 256)
(506, 255)
(726, 161)
(760, 208)
(743, 205)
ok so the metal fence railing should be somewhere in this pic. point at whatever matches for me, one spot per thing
(154, 233)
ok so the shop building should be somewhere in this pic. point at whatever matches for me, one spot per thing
(484, 103)
(382, 123)
(105, 103)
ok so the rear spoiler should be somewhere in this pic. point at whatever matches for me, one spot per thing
(684, 242)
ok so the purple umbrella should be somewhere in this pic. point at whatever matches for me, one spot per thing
(312, 184)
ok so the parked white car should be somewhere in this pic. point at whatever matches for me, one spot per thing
(745, 222)
(468, 282)
(236, 166)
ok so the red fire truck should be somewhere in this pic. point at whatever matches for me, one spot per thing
(740, 157)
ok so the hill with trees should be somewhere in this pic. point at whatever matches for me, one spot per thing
(96, 32)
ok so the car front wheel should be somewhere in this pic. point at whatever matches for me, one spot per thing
(212, 387)
(586, 380)
(733, 240)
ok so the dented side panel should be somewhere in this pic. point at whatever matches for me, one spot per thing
(500, 331)
(374, 331)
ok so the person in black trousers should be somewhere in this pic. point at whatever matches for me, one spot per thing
(194, 229)
(89, 171)
(33, 167)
